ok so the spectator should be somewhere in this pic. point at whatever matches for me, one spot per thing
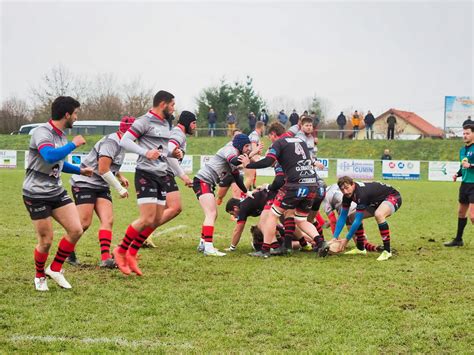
(355, 124)
(231, 121)
(294, 118)
(386, 155)
(283, 118)
(369, 121)
(305, 113)
(252, 121)
(211, 120)
(341, 123)
(263, 117)
(316, 121)
(391, 121)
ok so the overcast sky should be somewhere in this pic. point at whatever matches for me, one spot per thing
(356, 55)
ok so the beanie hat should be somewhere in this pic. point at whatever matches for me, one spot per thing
(239, 141)
(468, 123)
(186, 118)
(125, 123)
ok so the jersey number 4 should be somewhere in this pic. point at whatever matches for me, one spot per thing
(299, 150)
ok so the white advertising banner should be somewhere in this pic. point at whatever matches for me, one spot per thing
(8, 159)
(187, 164)
(442, 170)
(401, 169)
(356, 168)
(129, 163)
(205, 159)
(266, 172)
(325, 172)
(76, 158)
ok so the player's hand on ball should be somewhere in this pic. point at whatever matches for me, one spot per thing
(87, 171)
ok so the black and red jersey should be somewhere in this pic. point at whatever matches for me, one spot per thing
(253, 207)
(369, 194)
(294, 158)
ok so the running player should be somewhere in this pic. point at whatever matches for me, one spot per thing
(466, 190)
(373, 199)
(299, 190)
(152, 133)
(44, 195)
(93, 193)
(225, 162)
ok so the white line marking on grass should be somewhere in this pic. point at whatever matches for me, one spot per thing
(171, 229)
(116, 341)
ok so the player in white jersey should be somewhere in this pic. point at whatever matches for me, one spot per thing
(44, 195)
(93, 193)
(255, 139)
(224, 163)
(151, 132)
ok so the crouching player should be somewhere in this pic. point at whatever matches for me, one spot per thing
(93, 193)
(372, 199)
(225, 162)
(299, 190)
(44, 195)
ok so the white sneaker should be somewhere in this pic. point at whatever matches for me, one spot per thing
(214, 252)
(200, 247)
(41, 284)
(384, 256)
(58, 276)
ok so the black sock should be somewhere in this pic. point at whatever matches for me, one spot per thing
(461, 224)
(303, 242)
(385, 234)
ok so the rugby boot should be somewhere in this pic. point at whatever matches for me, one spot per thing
(121, 261)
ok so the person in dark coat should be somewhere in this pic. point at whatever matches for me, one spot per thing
(211, 120)
(341, 123)
(294, 118)
(391, 122)
(369, 121)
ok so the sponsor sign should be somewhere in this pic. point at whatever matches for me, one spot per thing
(187, 164)
(129, 163)
(442, 170)
(457, 109)
(325, 172)
(401, 169)
(76, 158)
(355, 168)
(8, 159)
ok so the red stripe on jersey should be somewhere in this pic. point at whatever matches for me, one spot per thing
(133, 133)
(241, 222)
(45, 145)
(154, 114)
(280, 174)
(273, 156)
(56, 129)
(174, 142)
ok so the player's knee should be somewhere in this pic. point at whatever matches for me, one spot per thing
(379, 217)
(76, 232)
(177, 210)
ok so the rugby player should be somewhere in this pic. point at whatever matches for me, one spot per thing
(43, 193)
(251, 174)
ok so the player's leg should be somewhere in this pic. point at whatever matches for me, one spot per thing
(173, 207)
(209, 207)
(68, 217)
(44, 232)
(383, 211)
(249, 178)
(104, 210)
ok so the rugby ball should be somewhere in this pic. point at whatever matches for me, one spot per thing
(335, 247)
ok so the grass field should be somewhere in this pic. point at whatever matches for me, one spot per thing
(419, 301)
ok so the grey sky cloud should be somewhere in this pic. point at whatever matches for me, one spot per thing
(357, 55)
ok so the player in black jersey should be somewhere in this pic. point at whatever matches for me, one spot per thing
(300, 186)
(373, 199)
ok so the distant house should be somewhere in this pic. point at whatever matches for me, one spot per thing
(409, 126)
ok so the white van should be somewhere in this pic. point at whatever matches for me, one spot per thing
(87, 128)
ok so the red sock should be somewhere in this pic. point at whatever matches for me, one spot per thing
(40, 260)
(369, 246)
(320, 219)
(207, 233)
(64, 249)
(138, 241)
(105, 238)
(130, 234)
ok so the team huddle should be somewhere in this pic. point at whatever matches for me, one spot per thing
(288, 208)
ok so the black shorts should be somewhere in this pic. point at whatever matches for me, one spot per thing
(318, 200)
(201, 187)
(226, 181)
(170, 183)
(395, 200)
(299, 198)
(150, 188)
(466, 193)
(40, 208)
(84, 195)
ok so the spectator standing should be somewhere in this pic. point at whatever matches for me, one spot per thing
(231, 121)
(263, 117)
(283, 118)
(355, 124)
(369, 121)
(212, 120)
(391, 122)
(252, 121)
(294, 118)
(386, 155)
(316, 121)
(341, 123)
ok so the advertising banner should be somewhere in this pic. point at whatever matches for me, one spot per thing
(457, 109)
(8, 159)
(187, 164)
(76, 158)
(442, 170)
(401, 169)
(129, 163)
(325, 172)
(356, 168)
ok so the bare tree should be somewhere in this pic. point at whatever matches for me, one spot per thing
(136, 98)
(103, 101)
(13, 114)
